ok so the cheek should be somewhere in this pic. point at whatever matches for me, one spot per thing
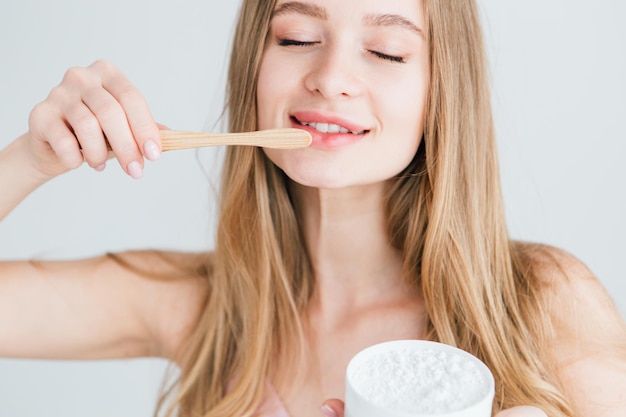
(404, 107)
(272, 92)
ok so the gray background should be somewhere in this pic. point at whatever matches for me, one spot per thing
(558, 87)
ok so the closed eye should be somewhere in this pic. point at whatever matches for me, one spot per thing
(385, 57)
(292, 42)
(391, 58)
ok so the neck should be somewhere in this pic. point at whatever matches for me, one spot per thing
(346, 236)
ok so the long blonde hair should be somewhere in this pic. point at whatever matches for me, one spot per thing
(445, 215)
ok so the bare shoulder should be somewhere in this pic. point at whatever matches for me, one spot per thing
(578, 302)
(554, 266)
(588, 333)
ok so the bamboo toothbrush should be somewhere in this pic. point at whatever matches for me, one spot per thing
(289, 138)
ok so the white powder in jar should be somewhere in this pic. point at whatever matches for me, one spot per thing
(423, 381)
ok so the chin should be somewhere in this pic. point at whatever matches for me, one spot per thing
(334, 179)
(333, 170)
(318, 179)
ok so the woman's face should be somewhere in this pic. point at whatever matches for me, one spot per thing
(354, 73)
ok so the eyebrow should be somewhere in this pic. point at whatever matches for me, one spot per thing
(313, 10)
(392, 20)
(300, 7)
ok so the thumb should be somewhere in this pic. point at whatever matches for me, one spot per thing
(333, 408)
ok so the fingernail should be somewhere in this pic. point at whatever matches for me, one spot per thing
(327, 411)
(151, 150)
(134, 170)
(100, 167)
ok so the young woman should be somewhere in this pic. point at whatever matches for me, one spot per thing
(389, 226)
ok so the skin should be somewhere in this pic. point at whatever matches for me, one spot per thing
(95, 308)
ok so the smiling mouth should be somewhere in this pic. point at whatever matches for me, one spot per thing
(328, 127)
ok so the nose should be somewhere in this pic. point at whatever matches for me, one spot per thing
(334, 74)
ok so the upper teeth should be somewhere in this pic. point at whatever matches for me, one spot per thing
(330, 128)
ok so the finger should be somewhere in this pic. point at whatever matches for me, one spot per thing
(522, 411)
(84, 126)
(333, 408)
(87, 131)
(140, 120)
(113, 121)
(55, 138)
(66, 149)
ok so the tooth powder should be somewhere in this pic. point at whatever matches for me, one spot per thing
(420, 382)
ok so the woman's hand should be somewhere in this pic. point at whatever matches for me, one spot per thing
(334, 408)
(90, 107)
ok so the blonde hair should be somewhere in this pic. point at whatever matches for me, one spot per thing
(445, 215)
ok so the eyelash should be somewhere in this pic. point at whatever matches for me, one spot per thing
(291, 42)
(380, 55)
(392, 58)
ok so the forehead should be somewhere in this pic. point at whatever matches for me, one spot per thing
(325, 9)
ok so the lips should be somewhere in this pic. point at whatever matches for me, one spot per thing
(327, 124)
(329, 132)
(330, 128)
